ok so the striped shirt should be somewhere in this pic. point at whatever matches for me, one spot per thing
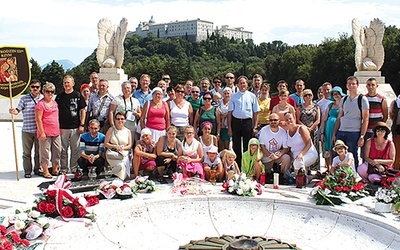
(375, 110)
(92, 145)
(27, 105)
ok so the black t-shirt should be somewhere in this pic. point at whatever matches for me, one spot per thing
(69, 106)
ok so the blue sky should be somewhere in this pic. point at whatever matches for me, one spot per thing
(67, 29)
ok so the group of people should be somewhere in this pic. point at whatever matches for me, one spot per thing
(211, 131)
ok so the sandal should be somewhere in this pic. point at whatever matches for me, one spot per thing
(37, 172)
(47, 176)
(162, 180)
(55, 173)
(28, 175)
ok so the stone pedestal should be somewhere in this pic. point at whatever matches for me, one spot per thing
(363, 76)
(115, 77)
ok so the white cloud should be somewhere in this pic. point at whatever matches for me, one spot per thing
(70, 24)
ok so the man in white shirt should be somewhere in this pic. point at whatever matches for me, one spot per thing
(273, 140)
(324, 102)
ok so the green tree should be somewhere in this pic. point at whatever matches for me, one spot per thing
(391, 66)
(36, 70)
(54, 73)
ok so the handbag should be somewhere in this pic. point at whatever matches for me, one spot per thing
(372, 169)
(112, 154)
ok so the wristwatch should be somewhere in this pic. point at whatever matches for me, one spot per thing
(361, 136)
(82, 125)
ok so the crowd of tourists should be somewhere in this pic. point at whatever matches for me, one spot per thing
(210, 130)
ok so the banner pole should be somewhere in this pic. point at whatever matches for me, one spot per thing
(13, 130)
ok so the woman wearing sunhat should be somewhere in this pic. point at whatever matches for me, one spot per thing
(328, 123)
(380, 154)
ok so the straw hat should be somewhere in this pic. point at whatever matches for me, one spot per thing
(339, 143)
(382, 125)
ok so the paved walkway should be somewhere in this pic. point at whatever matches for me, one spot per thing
(162, 220)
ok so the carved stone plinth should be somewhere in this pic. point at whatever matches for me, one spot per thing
(363, 76)
(115, 77)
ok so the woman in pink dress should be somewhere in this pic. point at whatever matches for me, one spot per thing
(192, 158)
(156, 116)
(48, 131)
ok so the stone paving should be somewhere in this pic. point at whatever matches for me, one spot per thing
(162, 220)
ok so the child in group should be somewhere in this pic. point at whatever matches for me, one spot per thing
(213, 165)
(251, 160)
(343, 159)
(216, 99)
(229, 163)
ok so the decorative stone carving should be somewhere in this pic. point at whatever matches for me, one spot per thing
(110, 51)
(369, 54)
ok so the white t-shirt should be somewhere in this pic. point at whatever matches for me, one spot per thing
(273, 141)
(213, 164)
(349, 155)
(323, 105)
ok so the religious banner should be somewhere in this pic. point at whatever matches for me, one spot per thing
(14, 69)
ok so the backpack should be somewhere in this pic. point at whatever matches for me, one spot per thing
(394, 128)
(359, 100)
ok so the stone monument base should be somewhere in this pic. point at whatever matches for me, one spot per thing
(363, 76)
(115, 77)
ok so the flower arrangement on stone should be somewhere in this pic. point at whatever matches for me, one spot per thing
(339, 187)
(388, 195)
(58, 200)
(141, 184)
(184, 185)
(242, 186)
(390, 192)
(17, 230)
(115, 189)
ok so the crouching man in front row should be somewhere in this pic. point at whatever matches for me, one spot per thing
(92, 148)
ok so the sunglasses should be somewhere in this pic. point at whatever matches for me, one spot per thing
(189, 133)
(307, 95)
(207, 99)
(216, 81)
(194, 92)
(380, 130)
(49, 92)
(229, 77)
(166, 79)
(179, 91)
(35, 87)
(119, 119)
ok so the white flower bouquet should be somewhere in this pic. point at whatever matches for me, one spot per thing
(242, 186)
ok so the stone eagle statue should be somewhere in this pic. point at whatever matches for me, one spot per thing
(110, 51)
(369, 54)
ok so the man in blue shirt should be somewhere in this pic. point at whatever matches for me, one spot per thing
(298, 95)
(242, 117)
(27, 105)
(92, 148)
(144, 93)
